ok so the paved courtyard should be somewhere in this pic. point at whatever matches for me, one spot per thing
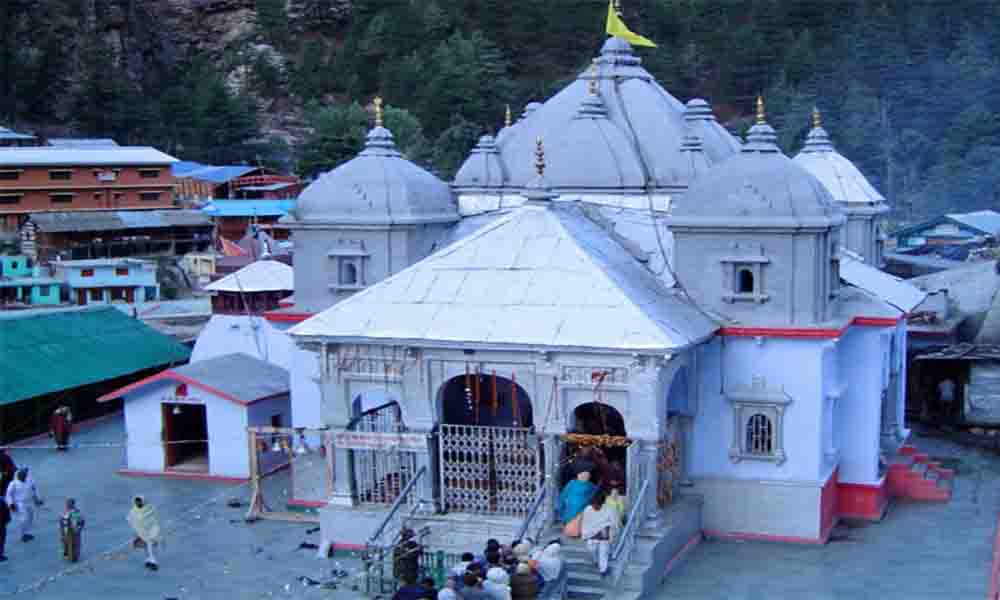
(209, 552)
(919, 551)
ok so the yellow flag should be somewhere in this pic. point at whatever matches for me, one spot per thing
(617, 28)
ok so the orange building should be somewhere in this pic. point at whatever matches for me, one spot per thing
(46, 179)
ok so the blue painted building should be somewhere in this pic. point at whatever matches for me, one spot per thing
(109, 280)
(22, 284)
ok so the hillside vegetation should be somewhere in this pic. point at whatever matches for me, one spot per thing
(909, 90)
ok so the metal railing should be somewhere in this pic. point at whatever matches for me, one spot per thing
(626, 539)
(538, 510)
(404, 498)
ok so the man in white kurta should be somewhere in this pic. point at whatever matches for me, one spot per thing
(22, 498)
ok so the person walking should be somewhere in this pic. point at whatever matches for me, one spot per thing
(145, 522)
(60, 427)
(71, 527)
(22, 498)
(599, 527)
(523, 583)
(4, 520)
(7, 471)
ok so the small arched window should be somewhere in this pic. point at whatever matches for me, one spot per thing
(744, 283)
(350, 274)
(759, 435)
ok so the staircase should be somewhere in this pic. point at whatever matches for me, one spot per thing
(456, 533)
(659, 540)
(914, 476)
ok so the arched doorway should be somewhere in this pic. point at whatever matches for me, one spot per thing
(597, 441)
(489, 456)
(486, 400)
(379, 475)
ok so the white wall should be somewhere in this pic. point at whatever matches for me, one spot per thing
(227, 423)
(303, 369)
(859, 408)
(254, 336)
(792, 364)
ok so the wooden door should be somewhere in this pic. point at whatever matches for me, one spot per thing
(166, 435)
(81, 297)
(130, 295)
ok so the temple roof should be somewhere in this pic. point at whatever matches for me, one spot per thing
(839, 176)
(542, 276)
(640, 124)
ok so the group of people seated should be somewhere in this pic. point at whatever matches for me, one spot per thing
(516, 571)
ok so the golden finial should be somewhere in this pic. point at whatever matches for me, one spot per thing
(539, 157)
(593, 78)
(506, 117)
(761, 115)
(378, 111)
(817, 118)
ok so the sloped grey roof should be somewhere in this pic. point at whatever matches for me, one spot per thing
(842, 179)
(893, 290)
(83, 142)
(258, 276)
(984, 220)
(238, 375)
(538, 277)
(378, 186)
(758, 187)
(84, 157)
(651, 120)
(112, 220)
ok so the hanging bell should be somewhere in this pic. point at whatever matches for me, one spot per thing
(177, 409)
(276, 446)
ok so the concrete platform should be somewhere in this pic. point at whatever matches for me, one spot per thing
(919, 551)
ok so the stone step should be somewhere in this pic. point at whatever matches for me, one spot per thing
(585, 592)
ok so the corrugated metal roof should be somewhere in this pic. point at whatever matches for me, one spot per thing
(218, 175)
(83, 143)
(54, 222)
(880, 284)
(249, 208)
(271, 187)
(258, 276)
(102, 262)
(42, 352)
(987, 221)
(80, 157)
(971, 286)
(538, 277)
(9, 134)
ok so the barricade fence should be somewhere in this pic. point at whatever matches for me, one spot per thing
(291, 473)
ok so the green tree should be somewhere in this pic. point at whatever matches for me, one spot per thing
(272, 21)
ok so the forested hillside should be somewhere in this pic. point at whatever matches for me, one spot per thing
(909, 90)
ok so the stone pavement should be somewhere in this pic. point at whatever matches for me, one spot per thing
(939, 551)
(209, 552)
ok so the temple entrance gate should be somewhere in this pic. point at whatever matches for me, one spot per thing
(379, 473)
(490, 459)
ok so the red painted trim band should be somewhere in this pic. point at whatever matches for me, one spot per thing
(808, 332)
(173, 375)
(306, 503)
(763, 537)
(280, 317)
(686, 549)
(183, 475)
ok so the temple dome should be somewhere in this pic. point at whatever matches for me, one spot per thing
(759, 187)
(651, 121)
(847, 185)
(592, 153)
(483, 169)
(377, 187)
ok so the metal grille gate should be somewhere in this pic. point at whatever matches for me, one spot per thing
(380, 475)
(493, 470)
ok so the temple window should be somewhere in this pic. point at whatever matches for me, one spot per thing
(758, 415)
(745, 271)
(745, 282)
(760, 435)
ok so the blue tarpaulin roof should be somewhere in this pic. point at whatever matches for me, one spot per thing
(211, 173)
(248, 208)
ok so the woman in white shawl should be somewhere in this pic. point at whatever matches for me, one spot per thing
(145, 522)
(550, 562)
(599, 528)
(497, 583)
